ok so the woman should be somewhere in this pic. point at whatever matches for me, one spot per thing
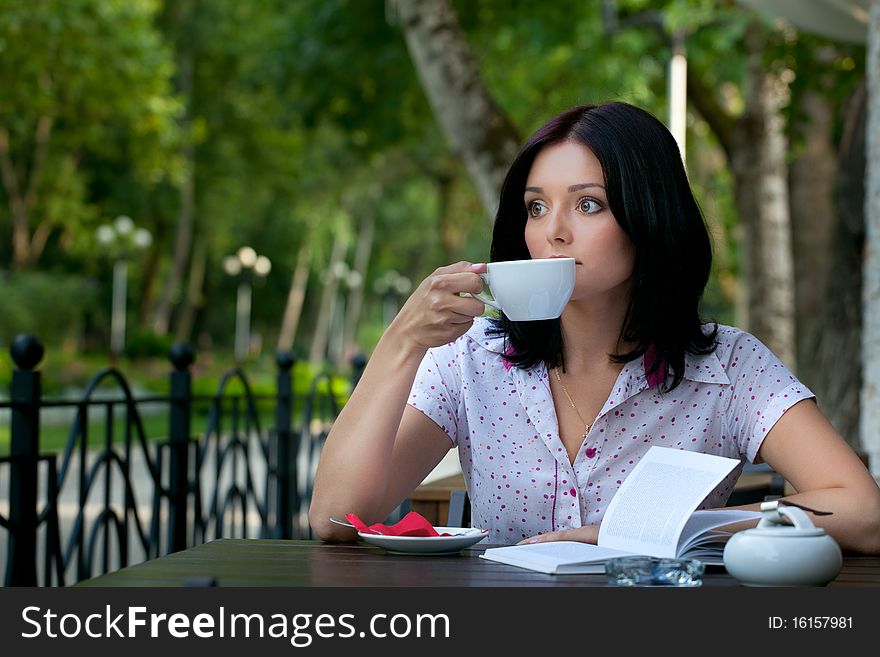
(550, 416)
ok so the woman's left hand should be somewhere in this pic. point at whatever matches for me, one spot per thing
(586, 534)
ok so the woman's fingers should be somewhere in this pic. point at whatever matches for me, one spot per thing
(448, 284)
(436, 313)
(585, 534)
(469, 307)
(443, 289)
(456, 278)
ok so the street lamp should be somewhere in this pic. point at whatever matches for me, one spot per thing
(391, 286)
(245, 264)
(121, 239)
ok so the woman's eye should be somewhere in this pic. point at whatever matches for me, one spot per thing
(536, 208)
(589, 206)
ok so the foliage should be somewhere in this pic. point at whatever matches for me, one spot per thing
(305, 117)
(97, 72)
(31, 305)
(144, 343)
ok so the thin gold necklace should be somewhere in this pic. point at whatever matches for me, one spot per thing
(589, 425)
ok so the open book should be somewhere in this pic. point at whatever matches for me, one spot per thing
(652, 514)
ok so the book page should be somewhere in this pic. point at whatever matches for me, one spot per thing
(649, 511)
(556, 556)
(698, 527)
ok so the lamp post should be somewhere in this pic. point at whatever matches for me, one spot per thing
(391, 286)
(245, 264)
(121, 239)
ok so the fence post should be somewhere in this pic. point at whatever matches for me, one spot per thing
(288, 443)
(181, 356)
(21, 570)
(358, 364)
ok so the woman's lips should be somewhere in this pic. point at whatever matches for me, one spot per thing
(577, 262)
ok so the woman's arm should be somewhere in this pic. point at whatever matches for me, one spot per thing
(379, 449)
(806, 450)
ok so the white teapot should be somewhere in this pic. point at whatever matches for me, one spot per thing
(779, 554)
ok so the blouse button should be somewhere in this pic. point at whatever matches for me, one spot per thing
(591, 452)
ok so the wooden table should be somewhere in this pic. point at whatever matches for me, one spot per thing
(277, 563)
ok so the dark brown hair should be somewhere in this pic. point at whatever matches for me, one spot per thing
(650, 196)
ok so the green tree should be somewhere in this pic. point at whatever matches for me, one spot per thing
(82, 80)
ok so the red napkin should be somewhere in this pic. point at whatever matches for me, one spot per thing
(412, 524)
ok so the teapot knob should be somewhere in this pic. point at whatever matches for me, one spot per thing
(775, 514)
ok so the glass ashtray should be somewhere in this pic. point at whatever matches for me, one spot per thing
(652, 571)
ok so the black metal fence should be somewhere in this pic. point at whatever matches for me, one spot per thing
(112, 500)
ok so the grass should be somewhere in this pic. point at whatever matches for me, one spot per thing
(62, 371)
(54, 437)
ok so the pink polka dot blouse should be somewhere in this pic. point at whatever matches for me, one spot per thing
(516, 469)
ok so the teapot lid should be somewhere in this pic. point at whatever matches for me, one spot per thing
(785, 531)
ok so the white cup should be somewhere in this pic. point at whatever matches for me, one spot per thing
(528, 290)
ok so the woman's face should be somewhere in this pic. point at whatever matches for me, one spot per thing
(568, 215)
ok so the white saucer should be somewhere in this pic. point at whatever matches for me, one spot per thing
(462, 538)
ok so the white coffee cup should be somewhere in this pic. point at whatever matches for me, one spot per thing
(528, 290)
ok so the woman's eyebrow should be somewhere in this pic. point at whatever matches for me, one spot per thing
(577, 188)
(572, 188)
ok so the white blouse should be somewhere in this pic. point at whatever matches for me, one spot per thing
(516, 469)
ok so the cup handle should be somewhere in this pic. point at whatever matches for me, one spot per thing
(483, 297)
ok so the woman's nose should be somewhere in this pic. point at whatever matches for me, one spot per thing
(557, 227)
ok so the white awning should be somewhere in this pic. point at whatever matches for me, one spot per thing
(842, 20)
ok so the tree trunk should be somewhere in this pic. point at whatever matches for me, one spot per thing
(321, 336)
(21, 193)
(182, 242)
(473, 125)
(838, 330)
(295, 298)
(195, 298)
(828, 239)
(869, 428)
(149, 282)
(184, 235)
(813, 219)
(761, 176)
(18, 212)
(363, 250)
(450, 233)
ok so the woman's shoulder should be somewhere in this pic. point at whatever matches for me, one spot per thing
(733, 345)
(727, 335)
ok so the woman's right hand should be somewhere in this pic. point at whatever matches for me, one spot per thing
(436, 313)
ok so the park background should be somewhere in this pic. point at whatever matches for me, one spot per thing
(353, 146)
